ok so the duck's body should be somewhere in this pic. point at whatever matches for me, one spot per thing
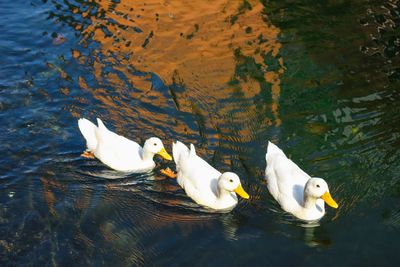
(202, 182)
(118, 152)
(296, 191)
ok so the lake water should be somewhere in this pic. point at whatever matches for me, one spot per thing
(320, 79)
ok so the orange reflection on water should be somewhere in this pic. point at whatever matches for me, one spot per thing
(186, 42)
(49, 186)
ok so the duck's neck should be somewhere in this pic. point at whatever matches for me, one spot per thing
(147, 155)
(225, 198)
(311, 209)
(309, 202)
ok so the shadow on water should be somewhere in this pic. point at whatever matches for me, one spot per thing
(319, 79)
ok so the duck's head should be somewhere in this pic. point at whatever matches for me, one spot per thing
(318, 188)
(155, 146)
(231, 182)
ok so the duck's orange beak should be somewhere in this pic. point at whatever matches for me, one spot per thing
(329, 200)
(163, 153)
(240, 191)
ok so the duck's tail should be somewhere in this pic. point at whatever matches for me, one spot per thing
(273, 150)
(178, 149)
(88, 130)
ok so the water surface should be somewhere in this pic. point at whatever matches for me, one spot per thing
(320, 80)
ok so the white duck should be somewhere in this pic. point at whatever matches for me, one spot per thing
(203, 183)
(294, 189)
(118, 152)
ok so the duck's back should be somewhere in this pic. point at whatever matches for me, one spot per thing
(116, 151)
(195, 175)
(285, 180)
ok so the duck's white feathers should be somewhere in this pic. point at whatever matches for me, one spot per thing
(285, 180)
(88, 130)
(198, 178)
(114, 150)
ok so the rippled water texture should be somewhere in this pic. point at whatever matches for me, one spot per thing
(319, 79)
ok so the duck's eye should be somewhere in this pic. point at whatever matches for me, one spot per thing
(155, 144)
(318, 185)
(230, 180)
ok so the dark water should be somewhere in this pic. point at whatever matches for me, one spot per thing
(320, 79)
